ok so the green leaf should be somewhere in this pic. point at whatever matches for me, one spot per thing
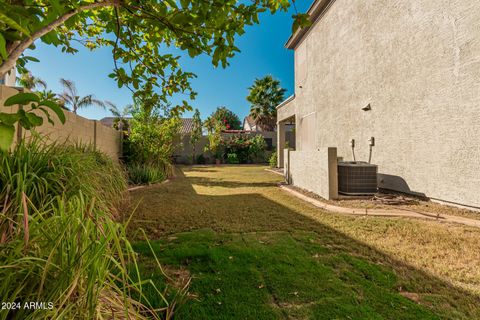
(31, 59)
(51, 38)
(21, 98)
(3, 48)
(47, 115)
(25, 123)
(34, 119)
(9, 118)
(300, 20)
(13, 24)
(184, 3)
(55, 108)
(6, 136)
(57, 8)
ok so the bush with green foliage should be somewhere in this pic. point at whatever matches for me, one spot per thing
(59, 242)
(150, 144)
(248, 149)
(257, 149)
(273, 159)
(232, 158)
(151, 136)
(215, 142)
(201, 159)
(145, 174)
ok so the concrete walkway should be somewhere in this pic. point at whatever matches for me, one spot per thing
(382, 212)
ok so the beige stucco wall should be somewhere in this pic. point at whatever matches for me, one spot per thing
(313, 170)
(183, 149)
(75, 130)
(417, 62)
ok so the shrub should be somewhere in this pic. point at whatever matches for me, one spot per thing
(215, 142)
(273, 159)
(201, 159)
(58, 240)
(247, 148)
(145, 174)
(151, 138)
(232, 158)
(257, 149)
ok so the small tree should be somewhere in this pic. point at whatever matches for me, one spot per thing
(215, 141)
(196, 133)
(264, 95)
(223, 117)
(151, 137)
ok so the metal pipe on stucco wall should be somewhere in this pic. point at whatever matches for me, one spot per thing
(371, 143)
(352, 144)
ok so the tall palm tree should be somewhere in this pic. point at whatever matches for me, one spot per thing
(30, 82)
(121, 121)
(264, 95)
(72, 100)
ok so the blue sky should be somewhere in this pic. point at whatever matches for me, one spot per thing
(262, 53)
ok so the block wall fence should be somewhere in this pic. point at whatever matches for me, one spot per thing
(75, 130)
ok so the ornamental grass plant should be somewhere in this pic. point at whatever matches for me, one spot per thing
(60, 245)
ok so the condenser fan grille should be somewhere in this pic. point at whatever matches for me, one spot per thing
(357, 178)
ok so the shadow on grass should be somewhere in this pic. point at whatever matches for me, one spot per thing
(201, 168)
(228, 183)
(240, 244)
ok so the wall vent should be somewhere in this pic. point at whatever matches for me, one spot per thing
(357, 178)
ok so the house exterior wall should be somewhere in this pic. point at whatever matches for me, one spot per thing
(416, 62)
(75, 130)
(9, 79)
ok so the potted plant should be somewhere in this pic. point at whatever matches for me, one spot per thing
(218, 157)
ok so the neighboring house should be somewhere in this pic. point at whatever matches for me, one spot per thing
(249, 125)
(9, 79)
(404, 72)
(108, 121)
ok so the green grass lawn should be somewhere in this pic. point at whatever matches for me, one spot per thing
(255, 252)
